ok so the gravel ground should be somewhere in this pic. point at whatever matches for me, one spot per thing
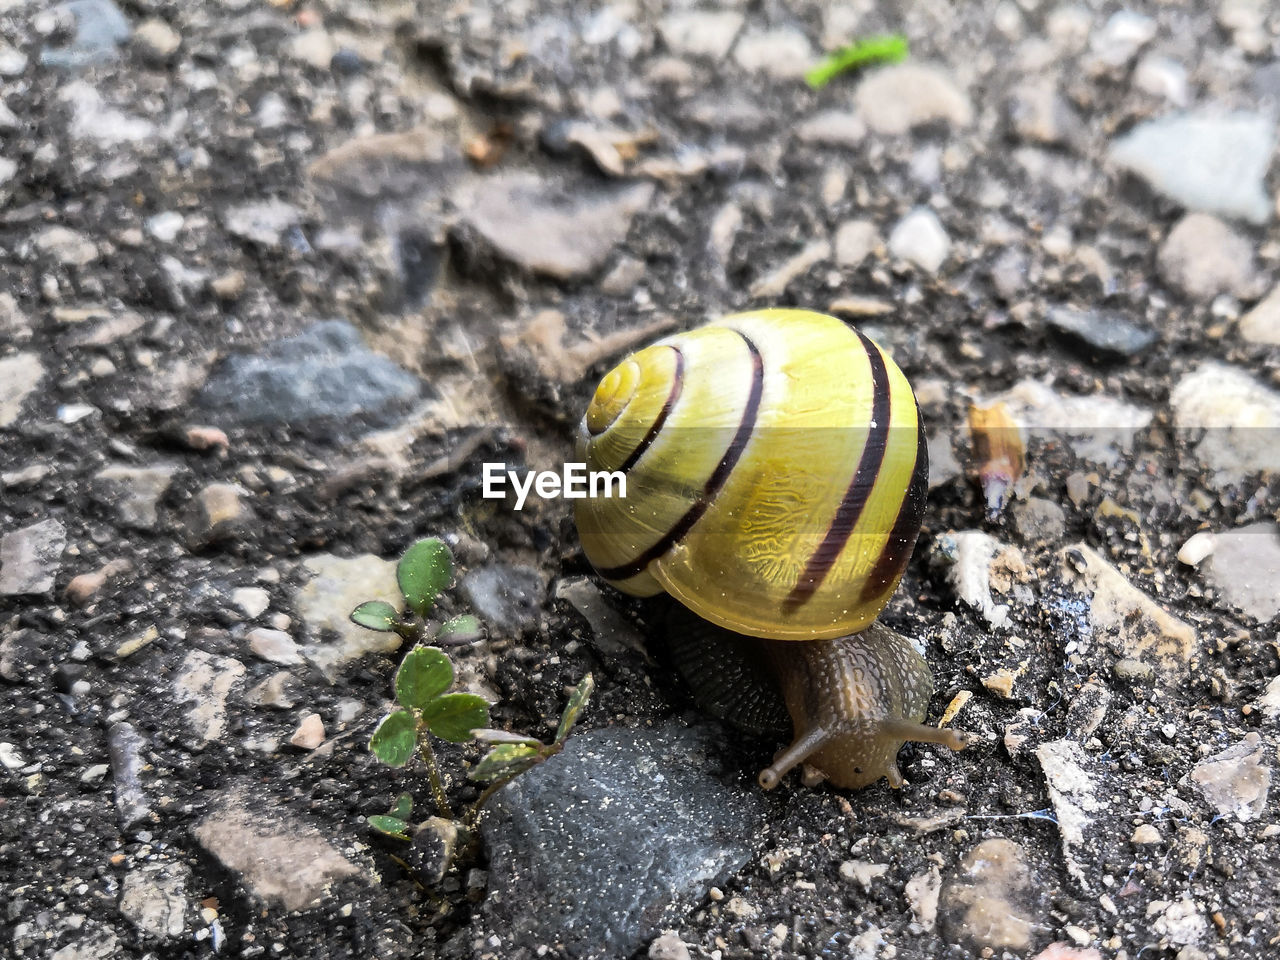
(277, 278)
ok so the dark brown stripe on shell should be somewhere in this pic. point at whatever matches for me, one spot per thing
(860, 487)
(718, 476)
(677, 384)
(902, 539)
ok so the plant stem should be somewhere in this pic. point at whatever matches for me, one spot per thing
(473, 812)
(433, 774)
(413, 632)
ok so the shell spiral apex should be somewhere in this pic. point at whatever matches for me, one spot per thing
(776, 474)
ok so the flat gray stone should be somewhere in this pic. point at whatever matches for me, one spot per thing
(896, 98)
(505, 597)
(545, 228)
(1040, 114)
(30, 558)
(1075, 790)
(855, 241)
(832, 128)
(69, 247)
(280, 859)
(1262, 323)
(990, 900)
(919, 238)
(700, 33)
(19, 376)
(99, 32)
(15, 325)
(1245, 567)
(100, 943)
(1121, 37)
(613, 840)
(274, 646)
(1203, 257)
(783, 53)
(1236, 781)
(1135, 626)
(1215, 163)
(204, 682)
(154, 899)
(338, 585)
(124, 746)
(324, 373)
(264, 222)
(1231, 417)
(1105, 336)
(135, 491)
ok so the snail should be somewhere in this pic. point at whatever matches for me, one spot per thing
(776, 472)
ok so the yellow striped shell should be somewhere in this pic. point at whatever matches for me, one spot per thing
(776, 473)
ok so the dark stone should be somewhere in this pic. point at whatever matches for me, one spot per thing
(26, 655)
(1105, 336)
(432, 850)
(346, 62)
(324, 373)
(65, 676)
(419, 267)
(606, 844)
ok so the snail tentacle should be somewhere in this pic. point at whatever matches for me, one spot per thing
(791, 757)
(923, 733)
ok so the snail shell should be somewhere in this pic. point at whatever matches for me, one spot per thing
(776, 474)
(776, 470)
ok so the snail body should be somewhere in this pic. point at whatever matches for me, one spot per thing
(850, 702)
(776, 473)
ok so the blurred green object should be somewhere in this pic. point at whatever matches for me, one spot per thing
(890, 48)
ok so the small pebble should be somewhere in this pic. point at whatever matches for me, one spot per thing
(274, 646)
(1197, 547)
(920, 239)
(310, 732)
(253, 601)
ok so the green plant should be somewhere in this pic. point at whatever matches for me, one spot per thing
(883, 49)
(423, 573)
(514, 753)
(426, 708)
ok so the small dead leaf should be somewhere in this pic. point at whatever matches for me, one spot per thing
(999, 452)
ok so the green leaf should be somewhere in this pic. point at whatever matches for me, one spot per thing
(425, 569)
(375, 615)
(395, 738)
(891, 48)
(461, 629)
(402, 807)
(507, 759)
(504, 736)
(424, 674)
(573, 709)
(453, 716)
(392, 826)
